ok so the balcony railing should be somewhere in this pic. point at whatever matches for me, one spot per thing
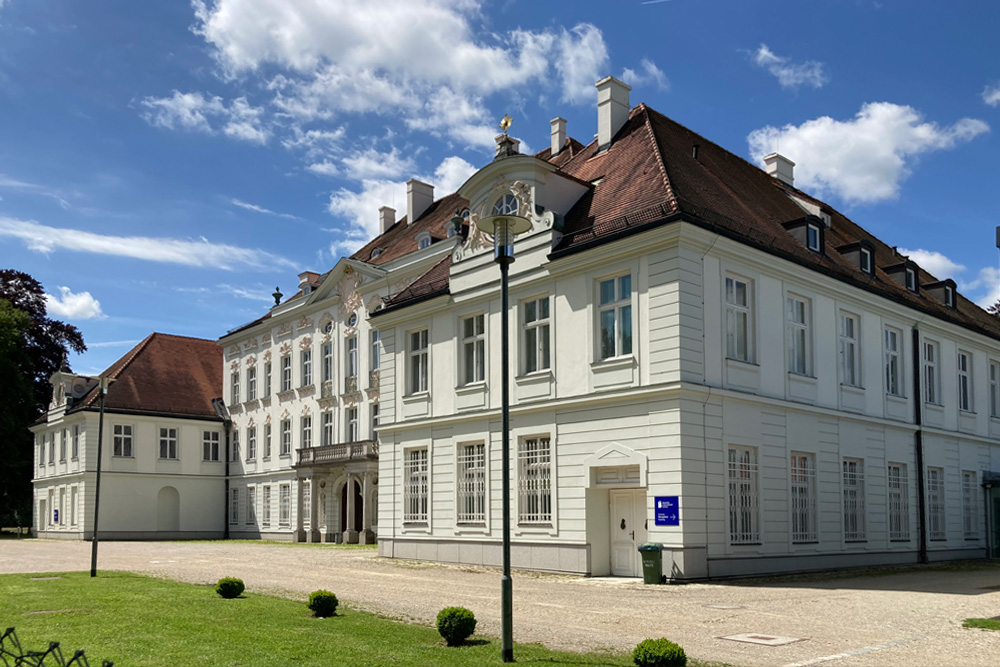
(339, 453)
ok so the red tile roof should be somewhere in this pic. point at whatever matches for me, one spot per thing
(401, 238)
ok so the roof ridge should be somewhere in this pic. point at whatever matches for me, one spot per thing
(143, 344)
(642, 108)
(160, 333)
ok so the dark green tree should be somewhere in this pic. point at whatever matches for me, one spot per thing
(32, 347)
(994, 310)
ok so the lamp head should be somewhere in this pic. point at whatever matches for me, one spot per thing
(503, 228)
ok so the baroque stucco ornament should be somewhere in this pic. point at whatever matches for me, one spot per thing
(350, 299)
(479, 241)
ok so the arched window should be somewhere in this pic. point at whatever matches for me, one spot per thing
(423, 240)
(506, 205)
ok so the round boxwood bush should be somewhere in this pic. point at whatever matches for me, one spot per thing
(658, 653)
(322, 603)
(230, 587)
(456, 624)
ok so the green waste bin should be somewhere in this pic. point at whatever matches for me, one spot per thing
(652, 563)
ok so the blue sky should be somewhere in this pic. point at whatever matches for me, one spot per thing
(164, 165)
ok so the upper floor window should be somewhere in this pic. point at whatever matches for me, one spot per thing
(41, 451)
(994, 389)
(267, 379)
(286, 372)
(307, 367)
(949, 296)
(865, 261)
(252, 383)
(932, 390)
(423, 240)
(505, 205)
(210, 446)
(327, 362)
(376, 356)
(76, 441)
(615, 316)
(739, 320)
(911, 280)
(535, 334)
(351, 424)
(307, 432)
(251, 443)
(850, 358)
(168, 443)
(286, 437)
(374, 425)
(122, 440)
(351, 357)
(326, 435)
(418, 362)
(797, 325)
(473, 349)
(235, 387)
(266, 453)
(893, 378)
(813, 237)
(63, 441)
(234, 454)
(964, 381)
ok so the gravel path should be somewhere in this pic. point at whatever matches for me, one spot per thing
(907, 618)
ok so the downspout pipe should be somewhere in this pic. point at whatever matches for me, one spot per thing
(220, 409)
(918, 445)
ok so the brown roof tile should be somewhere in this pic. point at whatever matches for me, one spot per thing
(401, 238)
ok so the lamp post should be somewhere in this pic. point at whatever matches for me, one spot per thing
(103, 383)
(504, 228)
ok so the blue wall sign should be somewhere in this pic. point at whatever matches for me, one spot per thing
(55, 516)
(667, 510)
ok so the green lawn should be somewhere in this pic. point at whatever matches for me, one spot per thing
(982, 623)
(136, 620)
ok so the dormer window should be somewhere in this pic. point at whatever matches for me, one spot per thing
(911, 280)
(812, 237)
(423, 240)
(375, 253)
(506, 205)
(949, 296)
(809, 232)
(865, 261)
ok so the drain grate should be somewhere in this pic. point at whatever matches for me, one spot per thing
(763, 640)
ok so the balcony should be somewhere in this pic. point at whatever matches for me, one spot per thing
(361, 450)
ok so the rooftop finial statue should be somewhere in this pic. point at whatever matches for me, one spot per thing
(505, 123)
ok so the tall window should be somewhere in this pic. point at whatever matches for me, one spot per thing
(374, 412)
(286, 372)
(284, 504)
(797, 331)
(326, 437)
(351, 424)
(850, 359)
(307, 431)
(351, 358)
(267, 379)
(744, 518)
(535, 324)
(935, 503)
(471, 483)
(63, 438)
(893, 379)
(234, 506)
(534, 481)
(994, 389)
(970, 505)
(168, 443)
(251, 505)
(899, 503)
(307, 367)
(234, 455)
(615, 313)
(41, 452)
(854, 501)
(415, 486)
(418, 361)
(52, 448)
(252, 383)
(210, 446)
(306, 501)
(265, 507)
(964, 381)
(803, 472)
(327, 362)
(932, 390)
(76, 441)
(235, 386)
(122, 440)
(739, 320)
(266, 454)
(286, 437)
(473, 349)
(376, 357)
(251, 443)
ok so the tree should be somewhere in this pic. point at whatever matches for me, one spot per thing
(32, 347)
(994, 310)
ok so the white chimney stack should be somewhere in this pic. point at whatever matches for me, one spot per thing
(780, 168)
(419, 197)
(386, 218)
(558, 134)
(612, 109)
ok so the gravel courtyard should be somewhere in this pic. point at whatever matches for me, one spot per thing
(906, 618)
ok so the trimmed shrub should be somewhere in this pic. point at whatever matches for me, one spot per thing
(322, 603)
(456, 624)
(230, 587)
(658, 653)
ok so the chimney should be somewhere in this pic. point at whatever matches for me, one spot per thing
(386, 218)
(612, 109)
(779, 167)
(419, 197)
(558, 134)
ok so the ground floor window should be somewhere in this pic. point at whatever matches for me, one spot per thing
(854, 500)
(803, 472)
(472, 483)
(234, 506)
(251, 505)
(284, 504)
(970, 504)
(744, 505)
(306, 501)
(899, 503)
(265, 507)
(415, 486)
(534, 480)
(935, 504)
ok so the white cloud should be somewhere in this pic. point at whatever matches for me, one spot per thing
(933, 262)
(74, 306)
(451, 174)
(324, 168)
(8, 183)
(789, 74)
(186, 252)
(649, 74)
(112, 343)
(581, 57)
(373, 164)
(991, 95)
(863, 159)
(254, 294)
(986, 284)
(245, 123)
(193, 111)
(260, 209)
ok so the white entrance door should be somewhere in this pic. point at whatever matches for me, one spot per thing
(628, 531)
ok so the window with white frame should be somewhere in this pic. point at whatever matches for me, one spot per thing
(855, 529)
(739, 319)
(306, 357)
(267, 379)
(893, 371)
(286, 437)
(52, 447)
(265, 506)
(327, 362)
(423, 240)
(121, 440)
(534, 480)
(351, 358)
(797, 333)
(866, 261)
(251, 517)
(306, 501)
(168, 443)
(970, 505)
(911, 280)
(473, 349)
(326, 437)
(899, 503)
(804, 520)
(284, 505)
(286, 372)
(234, 454)
(415, 486)
(850, 357)
(935, 503)
(266, 444)
(251, 443)
(744, 502)
(234, 506)
(932, 389)
(994, 389)
(813, 237)
(63, 439)
(306, 423)
(374, 425)
(76, 441)
(74, 502)
(41, 451)
(418, 366)
(535, 327)
(376, 353)
(210, 445)
(351, 424)
(252, 383)
(471, 483)
(964, 381)
(615, 316)
(234, 383)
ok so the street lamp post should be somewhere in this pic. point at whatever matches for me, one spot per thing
(103, 389)
(504, 228)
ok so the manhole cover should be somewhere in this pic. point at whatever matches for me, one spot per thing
(725, 606)
(44, 578)
(763, 640)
